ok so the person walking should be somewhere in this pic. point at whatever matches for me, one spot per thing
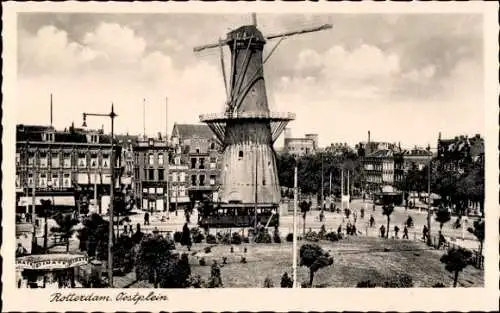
(372, 221)
(396, 231)
(382, 231)
(146, 218)
(405, 233)
(425, 233)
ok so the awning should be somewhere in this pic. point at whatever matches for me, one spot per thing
(58, 200)
(50, 261)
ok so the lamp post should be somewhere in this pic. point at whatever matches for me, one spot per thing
(45, 215)
(112, 116)
(429, 240)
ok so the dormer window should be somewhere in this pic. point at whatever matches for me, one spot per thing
(48, 137)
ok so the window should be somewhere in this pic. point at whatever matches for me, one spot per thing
(197, 150)
(212, 180)
(82, 160)
(182, 177)
(151, 174)
(66, 180)
(31, 159)
(151, 159)
(212, 146)
(54, 160)
(94, 162)
(182, 191)
(193, 162)
(18, 158)
(43, 160)
(174, 177)
(202, 163)
(202, 180)
(145, 174)
(105, 161)
(30, 180)
(43, 180)
(160, 159)
(240, 154)
(55, 180)
(161, 175)
(177, 160)
(193, 180)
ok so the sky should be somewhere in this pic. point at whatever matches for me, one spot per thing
(403, 77)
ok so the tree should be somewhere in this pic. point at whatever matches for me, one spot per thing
(155, 259)
(305, 206)
(478, 231)
(443, 216)
(455, 261)
(186, 237)
(65, 227)
(315, 258)
(94, 236)
(387, 211)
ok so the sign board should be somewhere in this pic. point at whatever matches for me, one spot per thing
(50, 262)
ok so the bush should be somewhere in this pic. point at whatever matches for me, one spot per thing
(208, 249)
(203, 262)
(438, 285)
(211, 239)
(311, 236)
(196, 282)
(400, 281)
(276, 237)
(332, 236)
(236, 239)
(198, 237)
(263, 237)
(268, 283)
(177, 236)
(289, 237)
(366, 284)
(286, 281)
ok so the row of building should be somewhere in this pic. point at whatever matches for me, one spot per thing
(72, 167)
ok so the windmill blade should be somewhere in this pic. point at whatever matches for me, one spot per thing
(209, 46)
(301, 31)
(223, 67)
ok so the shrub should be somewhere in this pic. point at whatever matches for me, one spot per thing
(332, 236)
(399, 281)
(196, 282)
(177, 236)
(203, 262)
(198, 237)
(286, 281)
(366, 284)
(311, 236)
(236, 239)
(438, 285)
(208, 249)
(276, 237)
(289, 237)
(268, 283)
(263, 237)
(211, 239)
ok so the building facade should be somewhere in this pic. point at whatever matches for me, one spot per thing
(67, 167)
(300, 146)
(379, 168)
(151, 173)
(197, 151)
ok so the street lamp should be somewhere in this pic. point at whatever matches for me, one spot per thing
(429, 240)
(112, 116)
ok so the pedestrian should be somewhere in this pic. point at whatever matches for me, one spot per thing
(374, 207)
(146, 218)
(372, 221)
(362, 211)
(364, 197)
(405, 233)
(396, 231)
(382, 231)
(425, 233)
(353, 230)
(339, 229)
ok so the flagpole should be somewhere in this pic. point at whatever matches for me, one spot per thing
(294, 254)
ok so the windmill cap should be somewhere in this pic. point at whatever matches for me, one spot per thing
(246, 32)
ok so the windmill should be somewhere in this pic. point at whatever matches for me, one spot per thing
(247, 128)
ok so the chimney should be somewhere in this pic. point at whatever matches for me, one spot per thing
(368, 136)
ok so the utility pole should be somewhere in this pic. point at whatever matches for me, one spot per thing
(294, 246)
(342, 189)
(322, 187)
(348, 191)
(429, 240)
(256, 186)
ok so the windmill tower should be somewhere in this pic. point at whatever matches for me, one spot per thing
(247, 129)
